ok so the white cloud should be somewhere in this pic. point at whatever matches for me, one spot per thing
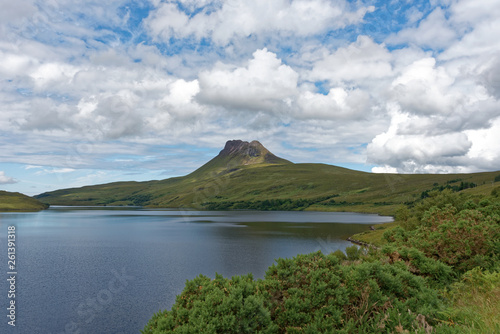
(424, 88)
(473, 12)
(264, 84)
(4, 179)
(385, 169)
(360, 61)
(434, 31)
(478, 43)
(55, 171)
(32, 167)
(240, 19)
(417, 153)
(490, 77)
(485, 151)
(108, 97)
(339, 103)
(178, 106)
(477, 21)
(15, 12)
(47, 75)
(442, 109)
(12, 65)
(413, 15)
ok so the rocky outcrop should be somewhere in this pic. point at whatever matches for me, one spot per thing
(249, 153)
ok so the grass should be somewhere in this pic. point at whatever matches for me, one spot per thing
(18, 202)
(474, 302)
(344, 189)
(375, 237)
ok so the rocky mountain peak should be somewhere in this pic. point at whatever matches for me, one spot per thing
(241, 152)
(239, 147)
(238, 153)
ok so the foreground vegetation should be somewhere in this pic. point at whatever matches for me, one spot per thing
(18, 202)
(436, 271)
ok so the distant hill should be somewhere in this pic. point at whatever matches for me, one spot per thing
(10, 201)
(247, 176)
(238, 153)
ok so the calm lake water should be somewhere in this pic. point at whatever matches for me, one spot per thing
(107, 270)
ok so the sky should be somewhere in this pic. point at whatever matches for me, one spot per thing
(100, 91)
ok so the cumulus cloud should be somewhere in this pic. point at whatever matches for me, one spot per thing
(434, 31)
(490, 77)
(339, 103)
(467, 152)
(424, 88)
(178, 107)
(415, 153)
(223, 22)
(485, 151)
(265, 84)
(4, 179)
(445, 108)
(47, 115)
(360, 61)
(472, 12)
(434, 114)
(479, 24)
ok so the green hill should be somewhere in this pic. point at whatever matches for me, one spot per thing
(18, 202)
(247, 176)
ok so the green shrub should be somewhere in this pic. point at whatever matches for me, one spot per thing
(310, 293)
(459, 231)
(315, 294)
(216, 306)
(437, 273)
(464, 239)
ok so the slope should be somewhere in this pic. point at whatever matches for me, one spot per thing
(10, 201)
(245, 175)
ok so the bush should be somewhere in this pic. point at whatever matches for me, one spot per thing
(216, 306)
(437, 273)
(311, 293)
(459, 231)
(463, 240)
(315, 294)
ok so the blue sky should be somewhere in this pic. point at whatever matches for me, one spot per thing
(100, 91)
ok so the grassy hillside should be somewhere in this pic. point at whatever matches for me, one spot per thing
(247, 176)
(327, 188)
(18, 202)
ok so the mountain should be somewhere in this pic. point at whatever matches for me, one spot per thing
(238, 153)
(245, 175)
(10, 201)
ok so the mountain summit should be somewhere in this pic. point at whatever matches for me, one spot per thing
(241, 153)
(250, 153)
(252, 149)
